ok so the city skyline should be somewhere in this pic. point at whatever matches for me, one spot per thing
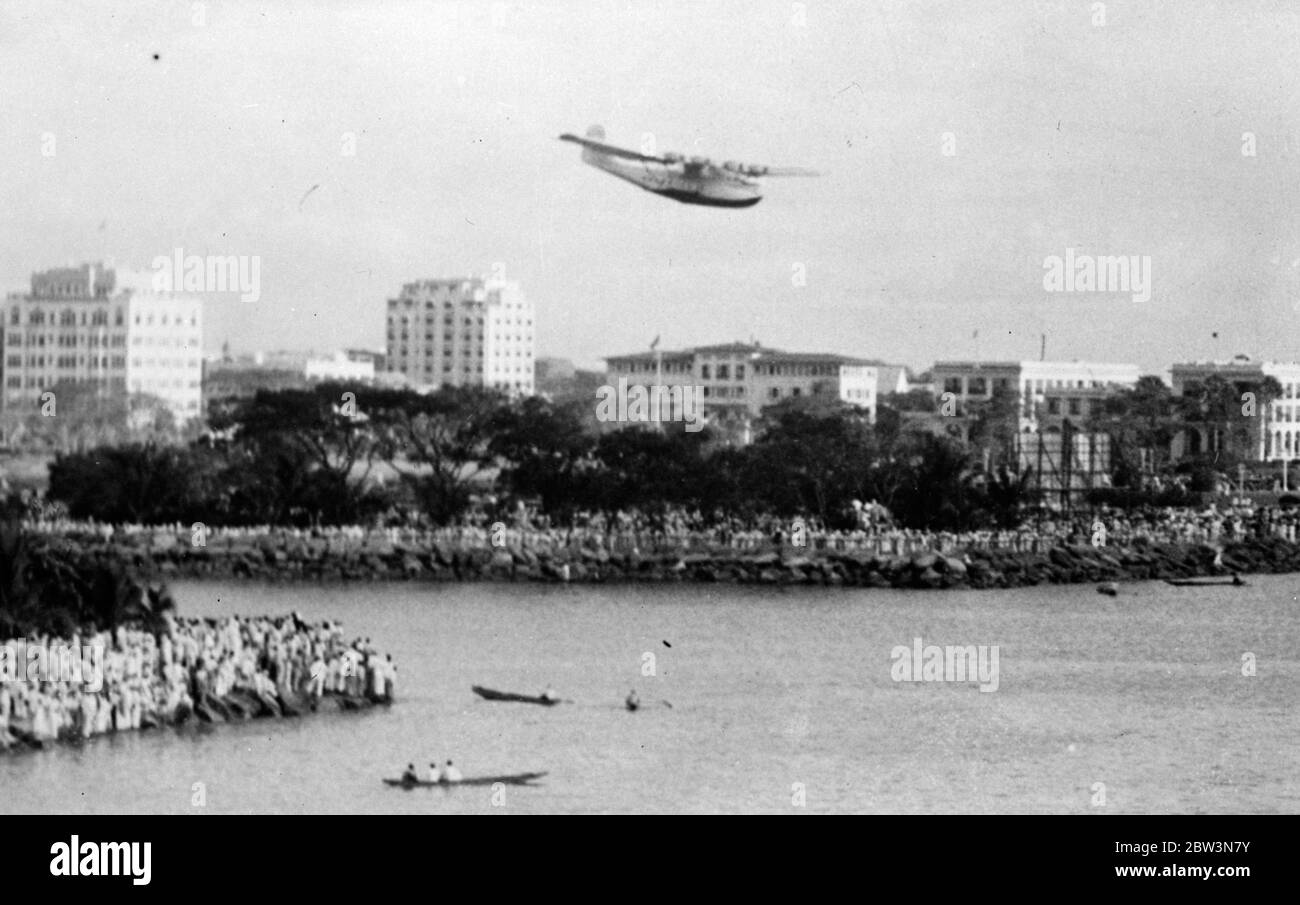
(960, 149)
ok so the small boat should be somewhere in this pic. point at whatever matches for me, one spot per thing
(1110, 589)
(1234, 581)
(490, 695)
(512, 779)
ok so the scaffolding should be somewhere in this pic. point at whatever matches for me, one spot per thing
(1066, 463)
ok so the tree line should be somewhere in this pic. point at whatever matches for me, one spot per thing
(331, 455)
(325, 455)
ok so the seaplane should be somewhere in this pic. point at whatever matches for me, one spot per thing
(690, 180)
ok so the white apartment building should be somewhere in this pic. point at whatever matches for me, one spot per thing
(740, 379)
(103, 326)
(464, 331)
(1043, 388)
(1280, 434)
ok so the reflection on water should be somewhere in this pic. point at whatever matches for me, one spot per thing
(776, 695)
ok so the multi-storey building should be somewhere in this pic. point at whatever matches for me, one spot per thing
(739, 380)
(1279, 435)
(1044, 389)
(464, 331)
(105, 327)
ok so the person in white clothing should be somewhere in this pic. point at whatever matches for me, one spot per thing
(451, 774)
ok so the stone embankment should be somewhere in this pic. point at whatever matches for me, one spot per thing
(272, 558)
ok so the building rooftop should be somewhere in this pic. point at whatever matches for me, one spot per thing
(755, 351)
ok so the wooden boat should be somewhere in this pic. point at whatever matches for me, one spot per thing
(490, 695)
(512, 779)
(1205, 582)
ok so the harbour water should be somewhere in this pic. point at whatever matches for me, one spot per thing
(782, 701)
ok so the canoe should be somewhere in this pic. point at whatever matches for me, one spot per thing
(1206, 582)
(512, 779)
(490, 695)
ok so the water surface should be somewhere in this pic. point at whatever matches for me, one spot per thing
(777, 694)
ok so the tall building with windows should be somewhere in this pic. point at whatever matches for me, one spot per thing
(463, 331)
(105, 327)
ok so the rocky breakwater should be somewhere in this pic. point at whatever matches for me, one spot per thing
(276, 558)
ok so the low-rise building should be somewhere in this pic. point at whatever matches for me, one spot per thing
(1043, 389)
(1279, 433)
(738, 380)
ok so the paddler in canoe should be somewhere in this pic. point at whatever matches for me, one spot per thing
(410, 775)
(550, 695)
(632, 701)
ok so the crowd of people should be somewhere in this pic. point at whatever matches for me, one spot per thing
(130, 679)
(687, 532)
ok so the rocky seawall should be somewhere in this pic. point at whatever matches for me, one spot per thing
(292, 559)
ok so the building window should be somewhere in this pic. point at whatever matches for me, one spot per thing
(1053, 406)
(1076, 406)
(704, 373)
(952, 385)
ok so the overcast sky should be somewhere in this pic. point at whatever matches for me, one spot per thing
(1124, 138)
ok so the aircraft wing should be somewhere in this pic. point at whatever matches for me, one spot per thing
(609, 149)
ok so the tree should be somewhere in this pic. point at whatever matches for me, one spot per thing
(804, 463)
(545, 452)
(1140, 423)
(51, 587)
(439, 443)
(308, 453)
